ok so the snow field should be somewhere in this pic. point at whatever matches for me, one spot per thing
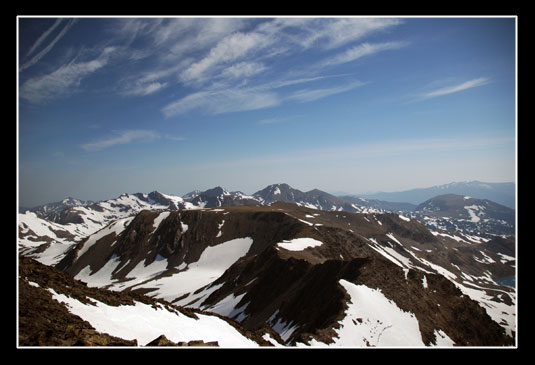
(145, 323)
(373, 320)
(214, 261)
(30, 221)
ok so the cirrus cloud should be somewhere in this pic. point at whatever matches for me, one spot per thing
(214, 102)
(122, 137)
(63, 80)
(455, 88)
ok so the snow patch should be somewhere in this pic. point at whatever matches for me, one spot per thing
(374, 320)
(116, 227)
(391, 236)
(228, 307)
(442, 339)
(220, 225)
(159, 219)
(299, 244)
(404, 218)
(473, 215)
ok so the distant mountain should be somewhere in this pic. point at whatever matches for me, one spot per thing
(218, 197)
(315, 199)
(463, 213)
(466, 207)
(52, 210)
(379, 204)
(501, 193)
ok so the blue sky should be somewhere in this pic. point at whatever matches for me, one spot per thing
(113, 105)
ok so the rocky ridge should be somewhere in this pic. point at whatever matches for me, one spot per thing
(299, 293)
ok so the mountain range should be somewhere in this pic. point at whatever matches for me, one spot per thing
(501, 193)
(485, 218)
(280, 267)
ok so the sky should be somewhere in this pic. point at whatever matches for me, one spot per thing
(111, 105)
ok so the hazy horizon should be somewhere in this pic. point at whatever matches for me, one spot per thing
(335, 193)
(113, 105)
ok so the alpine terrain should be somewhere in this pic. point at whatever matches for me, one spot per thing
(280, 267)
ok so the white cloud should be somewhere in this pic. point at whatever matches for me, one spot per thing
(123, 137)
(61, 81)
(242, 69)
(230, 48)
(222, 101)
(202, 34)
(456, 88)
(334, 33)
(364, 49)
(308, 95)
(145, 89)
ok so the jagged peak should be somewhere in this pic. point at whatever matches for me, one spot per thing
(217, 191)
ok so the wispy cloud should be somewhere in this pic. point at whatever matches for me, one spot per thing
(455, 88)
(232, 75)
(234, 99)
(43, 36)
(144, 89)
(364, 49)
(128, 137)
(230, 48)
(227, 63)
(62, 80)
(307, 95)
(242, 69)
(328, 33)
(214, 102)
(122, 137)
(47, 49)
(175, 50)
